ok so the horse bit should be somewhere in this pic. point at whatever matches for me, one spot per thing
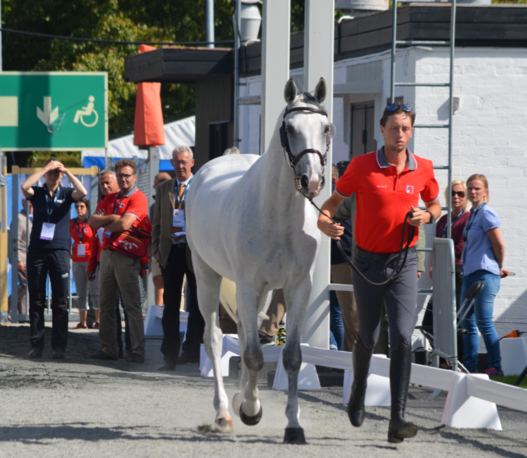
(293, 160)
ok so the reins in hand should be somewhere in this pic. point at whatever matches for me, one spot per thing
(402, 255)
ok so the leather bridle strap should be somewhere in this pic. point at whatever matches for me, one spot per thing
(293, 160)
(313, 110)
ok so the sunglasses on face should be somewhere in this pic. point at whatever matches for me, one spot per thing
(458, 193)
(395, 106)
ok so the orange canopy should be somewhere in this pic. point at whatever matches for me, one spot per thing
(148, 124)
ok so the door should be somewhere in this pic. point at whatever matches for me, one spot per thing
(362, 126)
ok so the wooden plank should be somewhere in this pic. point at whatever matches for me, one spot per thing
(253, 49)
(469, 31)
(373, 22)
(198, 68)
(470, 14)
(188, 55)
(297, 40)
(476, 26)
(373, 39)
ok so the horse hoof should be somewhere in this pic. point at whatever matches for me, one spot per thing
(251, 421)
(224, 425)
(294, 436)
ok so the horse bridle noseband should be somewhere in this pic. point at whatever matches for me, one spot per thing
(293, 160)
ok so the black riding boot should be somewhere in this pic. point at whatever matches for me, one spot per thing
(400, 368)
(361, 365)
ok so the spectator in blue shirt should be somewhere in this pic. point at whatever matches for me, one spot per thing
(482, 260)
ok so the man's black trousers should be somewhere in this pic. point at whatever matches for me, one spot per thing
(400, 295)
(176, 267)
(40, 262)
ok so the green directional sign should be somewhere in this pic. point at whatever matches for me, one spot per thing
(55, 111)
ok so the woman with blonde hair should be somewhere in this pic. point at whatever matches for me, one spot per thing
(482, 260)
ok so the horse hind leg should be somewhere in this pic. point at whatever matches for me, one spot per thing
(208, 288)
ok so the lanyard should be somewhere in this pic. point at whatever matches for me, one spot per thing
(182, 200)
(443, 235)
(81, 233)
(471, 221)
(50, 203)
(117, 202)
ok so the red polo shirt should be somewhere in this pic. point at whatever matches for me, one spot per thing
(384, 197)
(87, 234)
(134, 202)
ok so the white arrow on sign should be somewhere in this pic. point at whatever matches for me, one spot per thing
(47, 116)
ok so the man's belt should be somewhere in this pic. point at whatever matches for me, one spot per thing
(379, 257)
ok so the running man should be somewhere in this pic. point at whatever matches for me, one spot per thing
(387, 185)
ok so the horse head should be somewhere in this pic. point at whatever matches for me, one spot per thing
(306, 133)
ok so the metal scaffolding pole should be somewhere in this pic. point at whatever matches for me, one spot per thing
(448, 166)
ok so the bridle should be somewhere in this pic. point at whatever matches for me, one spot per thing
(407, 237)
(292, 159)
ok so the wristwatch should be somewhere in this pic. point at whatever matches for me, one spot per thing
(432, 219)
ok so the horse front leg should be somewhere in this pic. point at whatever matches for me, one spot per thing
(208, 288)
(296, 300)
(250, 409)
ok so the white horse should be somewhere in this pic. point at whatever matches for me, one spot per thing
(247, 222)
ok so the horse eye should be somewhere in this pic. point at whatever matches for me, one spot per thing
(290, 129)
(326, 130)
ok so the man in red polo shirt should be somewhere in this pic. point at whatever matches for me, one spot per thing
(117, 213)
(387, 184)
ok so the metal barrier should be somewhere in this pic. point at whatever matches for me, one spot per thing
(17, 173)
(471, 400)
(444, 281)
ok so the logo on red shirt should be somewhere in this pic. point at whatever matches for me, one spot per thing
(409, 189)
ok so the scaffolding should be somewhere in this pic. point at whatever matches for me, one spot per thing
(445, 339)
(450, 85)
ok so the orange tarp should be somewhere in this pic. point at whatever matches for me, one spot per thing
(148, 124)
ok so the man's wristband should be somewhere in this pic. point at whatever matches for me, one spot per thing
(432, 219)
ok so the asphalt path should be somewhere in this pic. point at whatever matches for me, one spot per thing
(84, 408)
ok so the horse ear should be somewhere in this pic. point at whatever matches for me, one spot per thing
(320, 90)
(290, 91)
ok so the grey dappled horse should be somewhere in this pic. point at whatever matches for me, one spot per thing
(248, 220)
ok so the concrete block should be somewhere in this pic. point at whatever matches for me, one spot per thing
(513, 355)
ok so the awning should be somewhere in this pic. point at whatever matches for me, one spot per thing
(177, 133)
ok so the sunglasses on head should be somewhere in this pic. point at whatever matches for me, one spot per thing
(458, 193)
(395, 106)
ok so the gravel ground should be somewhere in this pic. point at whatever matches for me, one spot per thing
(79, 407)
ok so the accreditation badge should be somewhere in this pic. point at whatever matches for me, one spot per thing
(48, 231)
(179, 219)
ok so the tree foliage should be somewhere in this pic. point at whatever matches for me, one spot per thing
(122, 20)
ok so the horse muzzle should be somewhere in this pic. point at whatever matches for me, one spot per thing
(311, 184)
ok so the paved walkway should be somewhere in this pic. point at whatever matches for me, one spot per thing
(81, 408)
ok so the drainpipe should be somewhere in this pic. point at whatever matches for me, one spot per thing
(209, 22)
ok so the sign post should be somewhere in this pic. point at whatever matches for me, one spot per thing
(53, 111)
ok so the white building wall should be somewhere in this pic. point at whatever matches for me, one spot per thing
(490, 132)
(489, 137)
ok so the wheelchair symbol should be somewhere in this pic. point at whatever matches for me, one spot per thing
(87, 111)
